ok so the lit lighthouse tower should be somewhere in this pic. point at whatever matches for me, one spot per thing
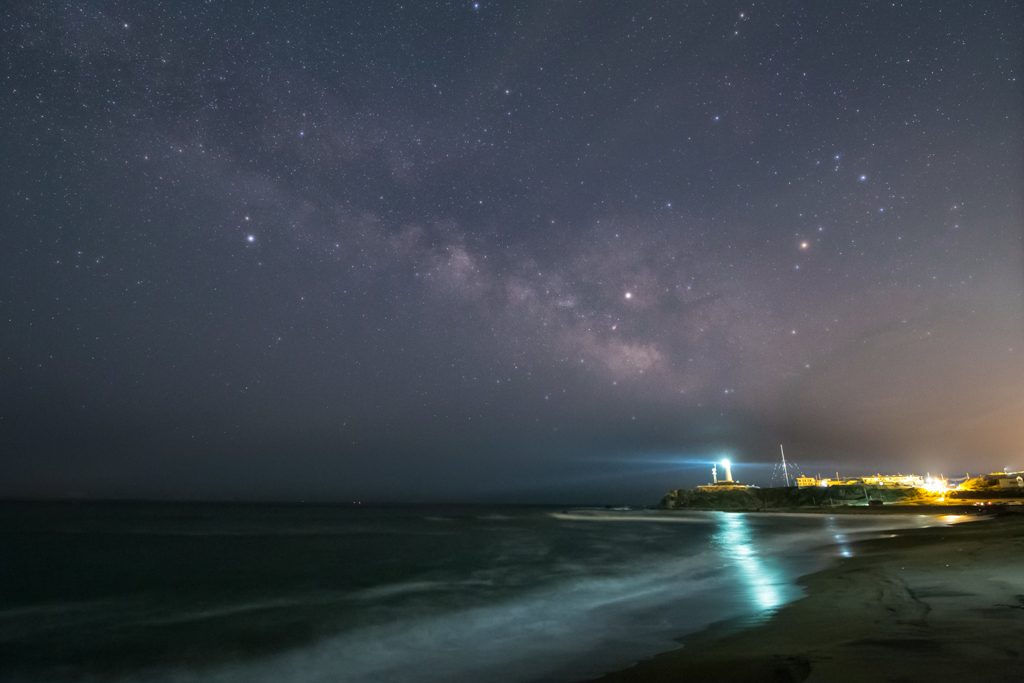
(721, 472)
(725, 482)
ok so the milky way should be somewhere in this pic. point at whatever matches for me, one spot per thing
(532, 251)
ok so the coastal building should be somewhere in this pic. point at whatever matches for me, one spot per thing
(892, 481)
(903, 480)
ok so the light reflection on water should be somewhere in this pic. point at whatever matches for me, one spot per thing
(841, 539)
(759, 577)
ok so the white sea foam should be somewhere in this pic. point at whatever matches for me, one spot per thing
(548, 631)
(517, 640)
(406, 587)
(631, 516)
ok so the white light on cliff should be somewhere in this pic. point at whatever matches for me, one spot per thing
(728, 470)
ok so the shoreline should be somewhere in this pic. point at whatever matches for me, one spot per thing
(938, 509)
(940, 603)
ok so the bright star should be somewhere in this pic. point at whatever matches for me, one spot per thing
(863, 177)
(803, 245)
(629, 295)
(250, 238)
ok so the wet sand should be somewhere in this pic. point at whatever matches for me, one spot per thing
(937, 604)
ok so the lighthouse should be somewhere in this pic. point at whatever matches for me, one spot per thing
(721, 474)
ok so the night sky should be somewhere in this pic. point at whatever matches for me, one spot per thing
(517, 251)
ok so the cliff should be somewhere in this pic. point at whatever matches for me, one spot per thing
(729, 498)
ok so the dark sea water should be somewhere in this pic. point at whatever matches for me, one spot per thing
(254, 593)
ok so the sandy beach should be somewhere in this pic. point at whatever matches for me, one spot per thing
(936, 604)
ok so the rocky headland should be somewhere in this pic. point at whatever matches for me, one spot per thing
(743, 498)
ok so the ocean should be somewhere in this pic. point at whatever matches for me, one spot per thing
(233, 593)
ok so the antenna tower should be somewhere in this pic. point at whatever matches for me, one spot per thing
(785, 472)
